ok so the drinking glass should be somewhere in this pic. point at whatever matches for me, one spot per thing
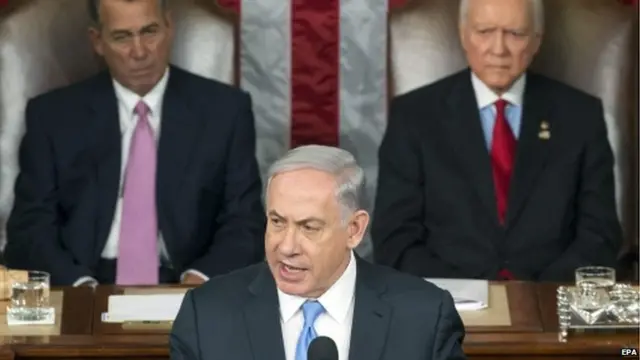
(604, 278)
(29, 296)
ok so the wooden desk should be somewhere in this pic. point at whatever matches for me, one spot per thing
(545, 344)
(76, 327)
(532, 335)
(87, 343)
(100, 342)
(6, 353)
(586, 346)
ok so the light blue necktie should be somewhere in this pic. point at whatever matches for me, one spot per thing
(311, 310)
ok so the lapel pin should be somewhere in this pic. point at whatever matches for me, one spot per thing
(544, 125)
(544, 134)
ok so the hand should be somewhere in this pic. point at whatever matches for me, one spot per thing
(192, 279)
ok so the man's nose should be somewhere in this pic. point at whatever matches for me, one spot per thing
(498, 43)
(138, 50)
(290, 243)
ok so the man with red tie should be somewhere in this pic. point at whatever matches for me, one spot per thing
(496, 172)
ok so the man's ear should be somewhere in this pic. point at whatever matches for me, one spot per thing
(537, 41)
(357, 227)
(462, 33)
(95, 35)
(168, 18)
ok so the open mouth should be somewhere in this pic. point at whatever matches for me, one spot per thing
(292, 269)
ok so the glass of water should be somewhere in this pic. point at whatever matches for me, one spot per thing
(29, 296)
(601, 276)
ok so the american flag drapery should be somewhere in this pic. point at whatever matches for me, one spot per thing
(317, 73)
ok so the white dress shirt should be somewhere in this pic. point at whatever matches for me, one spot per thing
(127, 101)
(334, 322)
(486, 99)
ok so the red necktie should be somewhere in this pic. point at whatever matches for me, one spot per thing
(503, 148)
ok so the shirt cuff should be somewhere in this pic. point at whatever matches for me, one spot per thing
(86, 279)
(194, 272)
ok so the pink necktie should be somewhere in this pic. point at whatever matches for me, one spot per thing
(138, 258)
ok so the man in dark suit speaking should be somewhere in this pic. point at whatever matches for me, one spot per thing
(142, 174)
(496, 172)
(312, 283)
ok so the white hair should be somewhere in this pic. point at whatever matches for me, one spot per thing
(537, 12)
(337, 162)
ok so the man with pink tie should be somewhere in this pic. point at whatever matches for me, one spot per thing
(143, 174)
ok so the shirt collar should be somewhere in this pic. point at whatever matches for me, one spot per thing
(153, 98)
(333, 300)
(486, 96)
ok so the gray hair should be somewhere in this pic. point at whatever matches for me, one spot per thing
(94, 9)
(537, 11)
(337, 162)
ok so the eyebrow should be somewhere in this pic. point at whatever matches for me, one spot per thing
(301, 221)
(143, 29)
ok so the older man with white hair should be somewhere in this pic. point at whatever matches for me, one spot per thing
(313, 285)
(496, 172)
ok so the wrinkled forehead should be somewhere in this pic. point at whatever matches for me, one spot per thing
(302, 191)
(500, 13)
(130, 14)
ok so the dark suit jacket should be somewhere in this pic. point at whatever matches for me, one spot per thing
(208, 187)
(435, 212)
(396, 316)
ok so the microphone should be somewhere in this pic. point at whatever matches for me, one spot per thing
(322, 348)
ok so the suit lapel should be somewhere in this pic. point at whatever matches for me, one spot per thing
(262, 318)
(105, 126)
(180, 125)
(533, 146)
(467, 138)
(371, 316)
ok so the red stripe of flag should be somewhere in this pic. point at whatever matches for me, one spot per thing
(315, 69)
(397, 3)
(230, 4)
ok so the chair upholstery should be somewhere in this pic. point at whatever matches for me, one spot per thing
(44, 45)
(589, 44)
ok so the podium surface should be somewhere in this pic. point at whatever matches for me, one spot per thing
(528, 329)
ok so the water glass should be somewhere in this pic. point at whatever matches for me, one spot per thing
(30, 297)
(604, 278)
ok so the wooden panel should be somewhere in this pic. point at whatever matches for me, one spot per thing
(6, 353)
(79, 347)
